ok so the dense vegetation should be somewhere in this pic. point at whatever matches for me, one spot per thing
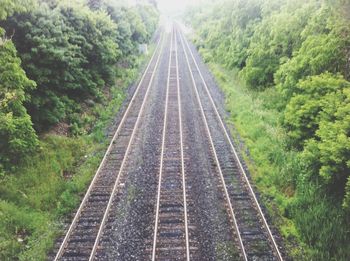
(293, 57)
(63, 71)
(70, 53)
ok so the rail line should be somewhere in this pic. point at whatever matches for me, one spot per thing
(82, 237)
(171, 236)
(215, 156)
(174, 232)
(249, 234)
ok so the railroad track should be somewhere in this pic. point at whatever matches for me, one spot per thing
(171, 237)
(82, 238)
(176, 219)
(252, 232)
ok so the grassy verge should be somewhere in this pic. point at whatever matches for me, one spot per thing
(48, 185)
(257, 123)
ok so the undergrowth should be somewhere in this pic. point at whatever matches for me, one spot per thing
(257, 123)
(312, 225)
(41, 191)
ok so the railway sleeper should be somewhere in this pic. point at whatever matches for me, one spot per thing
(172, 249)
(98, 199)
(99, 193)
(170, 227)
(261, 257)
(171, 195)
(171, 205)
(171, 186)
(171, 210)
(171, 220)
(247, 220)
(245, 205)
(170, 242)
(171, 255)
(242, 194)
(124, 134)
(74, 258)
(252, 233)
(78, 240)
(112, 163)
(90, 219)
(170, 215)
(110, 169)
(229, 167)
(258, 248)
(77, 252)
(102, 188)
(233, 188)
(107, 183)
(79, 246)
(171, 233)
(87, 225)
(131, 120)
(118, 149)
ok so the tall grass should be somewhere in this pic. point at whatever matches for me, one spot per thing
(272, 166)
(313, 226)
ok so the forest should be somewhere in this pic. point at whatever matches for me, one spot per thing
(64, 68)
(284, 66)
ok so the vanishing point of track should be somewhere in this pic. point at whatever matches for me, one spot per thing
(171, 236)
(176, 220)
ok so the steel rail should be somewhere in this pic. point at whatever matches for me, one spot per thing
(124, 161)
(173, 47)
(182, 153)
(162, 154)
(87, 194)
(215, 156)
(236, 155)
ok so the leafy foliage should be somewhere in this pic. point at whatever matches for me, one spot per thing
(9, 7)
(135, 25)
(273, 42)
(327, 150)
(75, 55)
(317, 99)
(318, 53)
(71, 52)
(296, 53)
(17, 136)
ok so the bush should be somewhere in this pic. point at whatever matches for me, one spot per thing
(72, 62)
(295, 57)
(316, 100)
(17, 136)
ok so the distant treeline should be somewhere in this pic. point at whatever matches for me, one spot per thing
(301, 49)
(57, 55)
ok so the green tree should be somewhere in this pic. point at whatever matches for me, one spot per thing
(274, 41)
(317, 100)
(297, 54)
(325, 48)
(149, 17)
(9, 7)
(324, 106)
(124, 30)
(96, 38)
(70, 53)
(17, 136)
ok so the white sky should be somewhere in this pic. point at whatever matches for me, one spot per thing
(174, 5)
(170, 6)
